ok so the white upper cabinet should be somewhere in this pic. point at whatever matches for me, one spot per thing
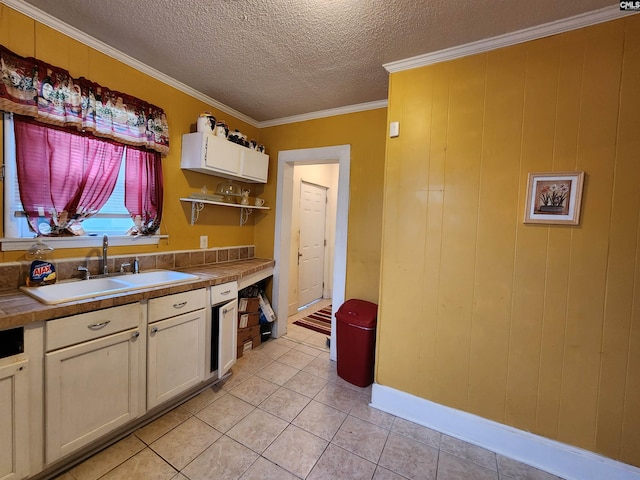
(206, 153)
(254, 166)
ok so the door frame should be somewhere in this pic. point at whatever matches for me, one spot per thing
(287, 159)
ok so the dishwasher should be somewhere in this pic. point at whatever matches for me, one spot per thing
(223, 332)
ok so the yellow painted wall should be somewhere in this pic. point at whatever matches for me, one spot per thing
(365, 132)
(27, 37)
(534, 326)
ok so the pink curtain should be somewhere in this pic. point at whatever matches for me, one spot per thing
(143, 190)
(64, 177)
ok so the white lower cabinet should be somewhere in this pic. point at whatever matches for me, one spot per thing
(175, 345)
(228, 337)
(224, 323)
(175, 356)
(107, 368)
(92, 386)
(14, 419)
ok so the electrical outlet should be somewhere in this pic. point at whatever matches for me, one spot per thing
(204, 241)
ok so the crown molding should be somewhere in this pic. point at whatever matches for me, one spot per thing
(102, 47)
(533, 33)
(359, 107)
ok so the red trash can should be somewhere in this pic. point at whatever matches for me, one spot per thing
(356, 339)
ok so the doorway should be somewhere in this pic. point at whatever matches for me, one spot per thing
(287, 160)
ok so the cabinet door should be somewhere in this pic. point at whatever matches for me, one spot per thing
(222, 156)
(91, 389)
(228, 336)
(254, 165)
(176, 356)
(14, 418)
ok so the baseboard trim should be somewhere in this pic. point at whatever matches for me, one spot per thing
(557, 458)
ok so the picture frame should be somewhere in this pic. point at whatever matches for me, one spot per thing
(554, 198)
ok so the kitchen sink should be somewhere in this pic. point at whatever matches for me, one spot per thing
(73, 290)
(158, 277)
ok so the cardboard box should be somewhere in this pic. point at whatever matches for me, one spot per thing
(257, 340)
(247, 345)
(251, 305)
(248, 334)
(246, 320)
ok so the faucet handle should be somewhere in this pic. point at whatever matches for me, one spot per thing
(87, 275)
(123, 266)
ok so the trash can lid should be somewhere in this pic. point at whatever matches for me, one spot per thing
(358, 312)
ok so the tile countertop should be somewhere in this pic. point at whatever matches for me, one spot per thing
(18, 309)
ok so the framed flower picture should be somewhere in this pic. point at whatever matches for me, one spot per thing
(554, 198)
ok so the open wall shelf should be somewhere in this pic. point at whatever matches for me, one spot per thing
(197, 205)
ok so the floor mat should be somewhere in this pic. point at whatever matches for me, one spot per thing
(319, 321)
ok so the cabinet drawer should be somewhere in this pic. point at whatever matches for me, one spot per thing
(224, 292)
(87, 326)
(176, 304)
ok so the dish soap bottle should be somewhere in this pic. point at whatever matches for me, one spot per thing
(42, 271)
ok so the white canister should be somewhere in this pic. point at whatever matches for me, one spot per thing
(206, 123)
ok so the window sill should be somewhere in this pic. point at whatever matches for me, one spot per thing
(14, 244)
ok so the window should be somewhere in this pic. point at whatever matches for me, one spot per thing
(129, 198)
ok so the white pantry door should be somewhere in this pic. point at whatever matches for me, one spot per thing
(313, 206)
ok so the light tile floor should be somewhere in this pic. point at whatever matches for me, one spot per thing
(285, 414)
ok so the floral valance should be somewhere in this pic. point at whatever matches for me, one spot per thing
(31, 87)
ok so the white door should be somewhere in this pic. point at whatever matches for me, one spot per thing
(313, 206)
(92, 388)
(14, 420)
(228, 337)
(175, 359)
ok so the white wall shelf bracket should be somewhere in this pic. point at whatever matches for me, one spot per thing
(196, 208)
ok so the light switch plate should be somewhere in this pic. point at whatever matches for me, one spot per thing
(204, 241)
(394, 129)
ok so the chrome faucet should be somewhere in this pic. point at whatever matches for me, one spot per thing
(105, 244)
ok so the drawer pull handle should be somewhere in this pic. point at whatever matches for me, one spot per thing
(98, 326)
(179, 305)
(224, 311)
(225, 293)
(135, 334)
(154, 330)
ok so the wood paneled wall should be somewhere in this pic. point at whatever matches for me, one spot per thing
(534, 326)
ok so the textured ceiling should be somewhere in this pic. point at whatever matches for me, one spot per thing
(270, 59)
